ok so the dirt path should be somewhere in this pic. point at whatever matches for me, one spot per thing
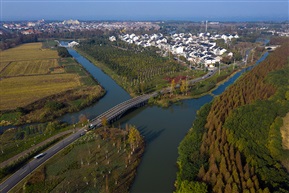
(285, 132)
(22, 154)
(5, 67)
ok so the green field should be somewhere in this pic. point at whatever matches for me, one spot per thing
(31, 51)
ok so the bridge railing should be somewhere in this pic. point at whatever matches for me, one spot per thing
(122, 107)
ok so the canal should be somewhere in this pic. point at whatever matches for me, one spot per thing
(162, 128)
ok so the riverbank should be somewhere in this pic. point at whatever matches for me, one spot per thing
(164, 102)
(200, 87)
(46, 90)
(103, 160)
(248, 114)
(204, 87)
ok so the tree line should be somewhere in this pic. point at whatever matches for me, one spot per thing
(137, 66)
(235, 144)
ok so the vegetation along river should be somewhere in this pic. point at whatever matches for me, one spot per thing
(163, 128)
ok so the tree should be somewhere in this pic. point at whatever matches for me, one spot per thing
(82, 118)
(173, 86)
(189, 187)
(183, 87)
(104, 122)
(62, 52)
(133, 137)
(202, 172)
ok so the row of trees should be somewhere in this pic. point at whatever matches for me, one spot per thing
(10, 40)
(136, 65)
(239, 148)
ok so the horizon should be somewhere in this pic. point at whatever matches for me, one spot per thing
(145, 10)
(151, 20)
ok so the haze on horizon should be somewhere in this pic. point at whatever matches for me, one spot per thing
(192, 10)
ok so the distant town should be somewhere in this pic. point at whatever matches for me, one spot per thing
(40, 26)
(197, 47)
(193, 48)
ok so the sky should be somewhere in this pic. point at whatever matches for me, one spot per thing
(189, 10)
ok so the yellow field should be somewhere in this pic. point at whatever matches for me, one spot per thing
(3, 65)
(31, 51)
(21, 91)
(29, 67)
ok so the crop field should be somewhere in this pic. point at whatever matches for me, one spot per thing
(21, 91)
(3, 65)
(31, 51)
(33, 67)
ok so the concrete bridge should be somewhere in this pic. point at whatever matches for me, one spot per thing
(272, 47)
(117, 111)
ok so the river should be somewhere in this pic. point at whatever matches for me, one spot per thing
(163, 128)
(114, 93)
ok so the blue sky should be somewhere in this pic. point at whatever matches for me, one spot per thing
(191, 10)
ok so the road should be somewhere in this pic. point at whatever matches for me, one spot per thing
(32, 165)
(110, 114)
(30, 150)
(121, 108)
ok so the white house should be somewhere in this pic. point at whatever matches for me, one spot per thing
(112, 38)
(178, 49)
(73, 43)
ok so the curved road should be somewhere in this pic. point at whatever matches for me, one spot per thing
(9, 183)
(19, 175)
(15, 178)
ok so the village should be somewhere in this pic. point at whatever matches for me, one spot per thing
(198, 49)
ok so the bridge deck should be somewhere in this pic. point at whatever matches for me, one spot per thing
(121, 108)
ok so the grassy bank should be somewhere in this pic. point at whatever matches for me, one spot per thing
(138, 70)
(204, 87)
(103, 160)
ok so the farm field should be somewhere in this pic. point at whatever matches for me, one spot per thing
(32, 76)
(31, 51)
(29, 67)
(3, 65)
(21, 91)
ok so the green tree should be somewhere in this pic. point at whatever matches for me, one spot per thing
(63, 52)
(195, 187)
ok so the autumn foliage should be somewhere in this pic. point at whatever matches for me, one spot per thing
(240, 148)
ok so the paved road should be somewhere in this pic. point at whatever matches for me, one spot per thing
(109, 115)
(26, 152)
(28, 168)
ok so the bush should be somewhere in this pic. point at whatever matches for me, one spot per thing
(63, 52)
